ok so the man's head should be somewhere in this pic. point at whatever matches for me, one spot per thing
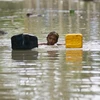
(52, 38)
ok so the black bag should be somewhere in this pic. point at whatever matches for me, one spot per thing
(24, 42)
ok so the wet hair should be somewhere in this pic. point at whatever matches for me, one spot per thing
(54, 33)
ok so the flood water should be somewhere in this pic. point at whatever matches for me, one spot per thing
(50, 72)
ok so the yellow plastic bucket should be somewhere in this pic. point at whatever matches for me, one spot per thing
(74, 40)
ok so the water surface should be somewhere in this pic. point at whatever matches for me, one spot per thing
(50, 72)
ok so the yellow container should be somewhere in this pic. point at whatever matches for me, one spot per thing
(74, 40)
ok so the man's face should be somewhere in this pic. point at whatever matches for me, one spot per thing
(51, 39)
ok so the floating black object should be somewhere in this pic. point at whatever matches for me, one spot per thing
(24, 42)
(2, 32)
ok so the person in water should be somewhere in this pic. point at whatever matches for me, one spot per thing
(52, 38)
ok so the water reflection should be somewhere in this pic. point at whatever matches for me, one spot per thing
(74, 61)
(74, 56)
(53, 55)
(24, 55)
